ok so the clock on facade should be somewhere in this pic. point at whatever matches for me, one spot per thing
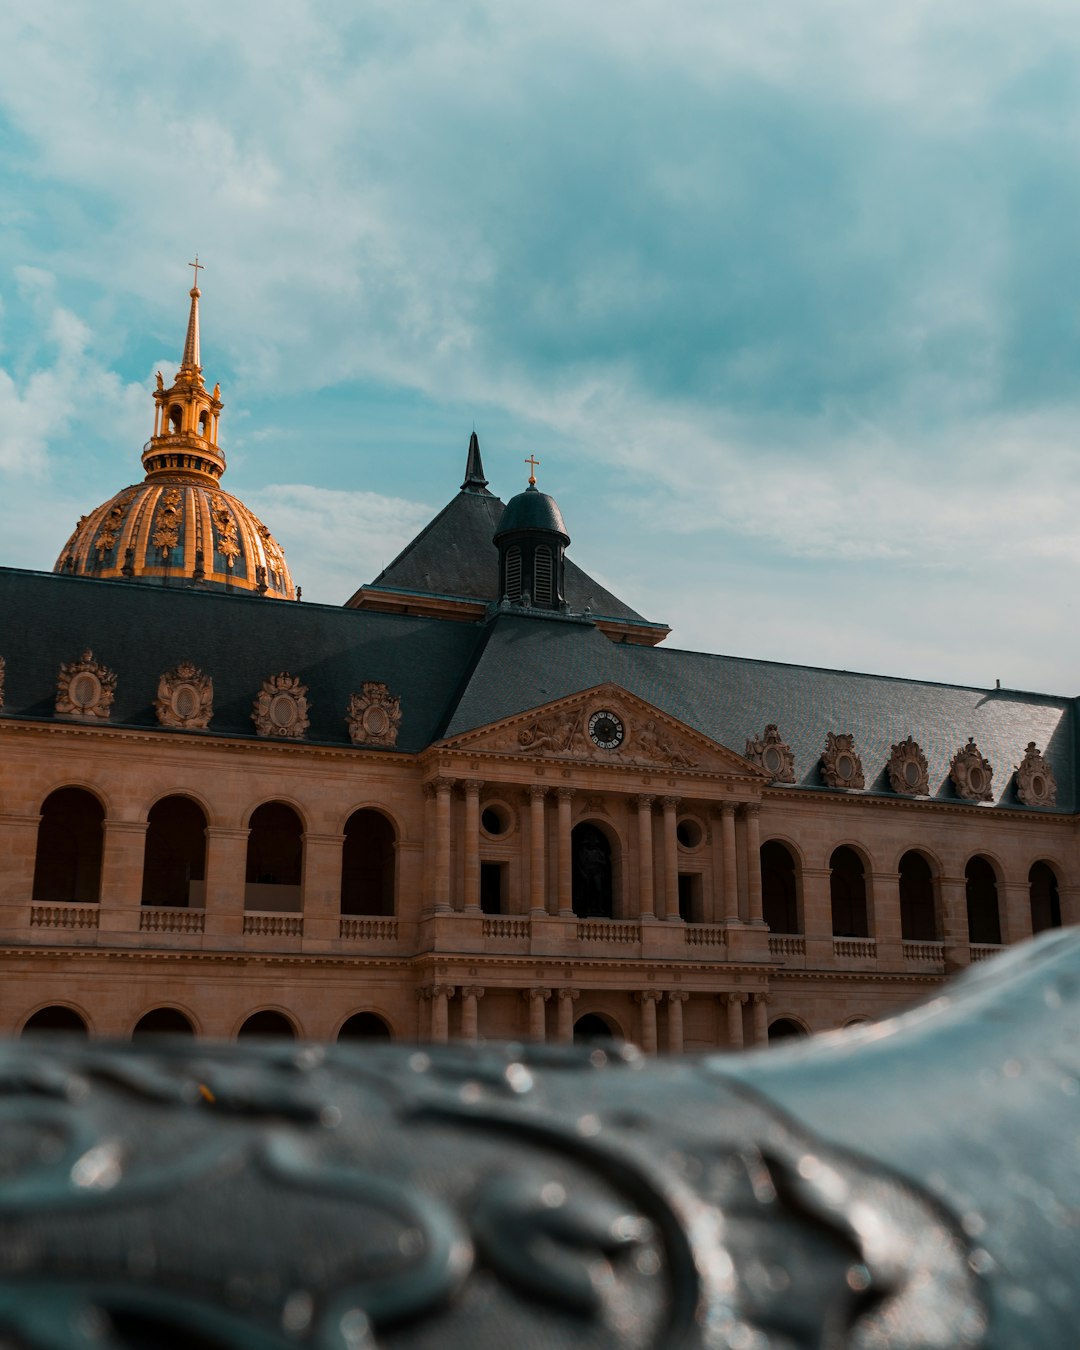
(606, 730)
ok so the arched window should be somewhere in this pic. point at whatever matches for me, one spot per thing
(163, 1022)
(365, 1026)
(543, 573)
(56, 1018)
(591, 872)
(847, 888)
(918, 912)
(513, 573)
(275, 858)
(174, 861)
(1045, 901)
(67, 868)
(984, 922)
(176, 419)
(779, 900)
(204, 419)
(594, 1027)
(784, 1029)
(367, 864)
(268, 1023)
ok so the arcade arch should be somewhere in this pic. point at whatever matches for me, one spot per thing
(174, 859)
(368, 864)
(67, 864)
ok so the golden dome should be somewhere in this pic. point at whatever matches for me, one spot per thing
(177, 526)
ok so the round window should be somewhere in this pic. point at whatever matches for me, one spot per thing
(976, 778)
(495, 819)
(283, 710)
(845, 767)
(185, 701)
(772, 759)
(85, 690)
(1038, 785)
(376, 721)
(911, 773)
(688, 833)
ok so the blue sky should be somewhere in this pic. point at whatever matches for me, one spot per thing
(785, 297)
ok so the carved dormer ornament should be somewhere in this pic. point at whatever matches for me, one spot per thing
(909, 773)
(85, 689)
(773, 753)
(841, 767)
(971, 774)
(185, 698)
(1035, 781)
(281, 707)
(374, 715)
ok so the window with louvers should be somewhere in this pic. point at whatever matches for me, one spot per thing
(542, 570)
(513, 573)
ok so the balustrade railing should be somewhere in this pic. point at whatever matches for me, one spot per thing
(924, 951)
(983, 951)
(274, 925)
(369, 929)
(65, 916)
(787, 945)
(506, 928)
(606, 930)
(855, 949)
(172, 919)
(703, 935)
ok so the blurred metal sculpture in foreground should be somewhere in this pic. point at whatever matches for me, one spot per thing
(914, 1184)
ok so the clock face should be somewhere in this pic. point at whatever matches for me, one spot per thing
(606, 730)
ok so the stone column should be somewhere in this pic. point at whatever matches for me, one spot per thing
(441, 880)
(566, 874)
(730, 864)
(321, 893)
(761, 1018)
(1069, 897)
(427, 897)
(440, 1012)
(537, 888)
(647, 998)
(565, 1012)
(19, 834)
(645, 857)
(954, 923)
(470, 995)
(472, 846)
(1016, 907)
(753, 863)
(226, 870)
(670, 906)
(676, 999)
(423, 1013)
(734, 1004)
(536, 999)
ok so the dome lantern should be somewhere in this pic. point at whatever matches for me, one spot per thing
(532, 539)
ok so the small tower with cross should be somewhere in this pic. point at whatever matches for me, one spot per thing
(532, 539)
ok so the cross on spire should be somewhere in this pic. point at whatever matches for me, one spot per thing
(532, 462)
(199, 267)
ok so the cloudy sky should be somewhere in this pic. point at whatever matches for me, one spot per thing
(785, 296)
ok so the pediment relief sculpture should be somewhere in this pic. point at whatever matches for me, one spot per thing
(281, 707)
(773, 753)
(1035, 781)
(603, 732)
(909, 773)
(841, 766)
(374, 715)
(85, 688)
(971, 774)
(185, 698)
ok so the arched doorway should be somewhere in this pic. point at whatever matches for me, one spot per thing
(1045, 900)
(367, 864)
(984, 921)
(779, 896)
(594, 1027)
(364, 1026)
(784, 1029)
(163, 1022)
(275, 858)
(918, 911)
(174, 861)
(56, 1018)
(268, 1023)
(847, 889)
(592, 872)
(67, 867)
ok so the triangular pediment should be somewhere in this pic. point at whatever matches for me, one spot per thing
(604, 725)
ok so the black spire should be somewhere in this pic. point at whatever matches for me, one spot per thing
(474, 469)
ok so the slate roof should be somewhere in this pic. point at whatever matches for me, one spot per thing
(454, 677)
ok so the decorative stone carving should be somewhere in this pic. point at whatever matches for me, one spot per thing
(1035, 781)
(281, 707)
(971, 774)
(225, 526)
(113, 523)
(841, 767)
(909, 773)
(167, 534)
(566, 733)
(185, 698)
(773, 753)
(374, 715)
(85, 688)
(559, 733)
(275, 558)
(650, 745)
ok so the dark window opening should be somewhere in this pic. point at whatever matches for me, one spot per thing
(918, 917)
(784, 1029)
(1045, 900)
(163, 1022)
(268, 1023)
(690, 897)
(591, 872)
(779, 901)
(67, 866)
(367, 865)
(56, 1018)
(275, 849)
(492, 887)
(365, 1026)
(984, 922)
(847, 889)
(593, 1027)
(175, 854)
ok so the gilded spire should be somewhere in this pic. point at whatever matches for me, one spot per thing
(191, 342)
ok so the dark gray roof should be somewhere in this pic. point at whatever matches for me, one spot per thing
(142, 631)
(531, 661)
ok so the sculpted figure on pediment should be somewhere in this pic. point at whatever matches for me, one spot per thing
(650, 745)
(908, 770)
(561, 733)
(185, 698)
(773, 753)
(971, 774)
(374, 715)
(281, 707)
(85, 688)
(1035, 781)
(841, 766)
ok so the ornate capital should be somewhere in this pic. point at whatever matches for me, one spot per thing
(442, 786)
(727, 810)
(750, 809)
(472, 787)
(472, 991)
(761, 997)
(535, 995)
(737, 998)
(85, 688)
(648, 996)
(569, 995)
(677, 995)
(671, 803)
(645, 801)
(567, 794)
(442, 991)
(538, 791)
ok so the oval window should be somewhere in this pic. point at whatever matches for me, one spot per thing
(283, 710)
(845, 767)
(185, 701)
(376, 721)
(911, 773)
(85, 690)
(976, 778)
(772, 760)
